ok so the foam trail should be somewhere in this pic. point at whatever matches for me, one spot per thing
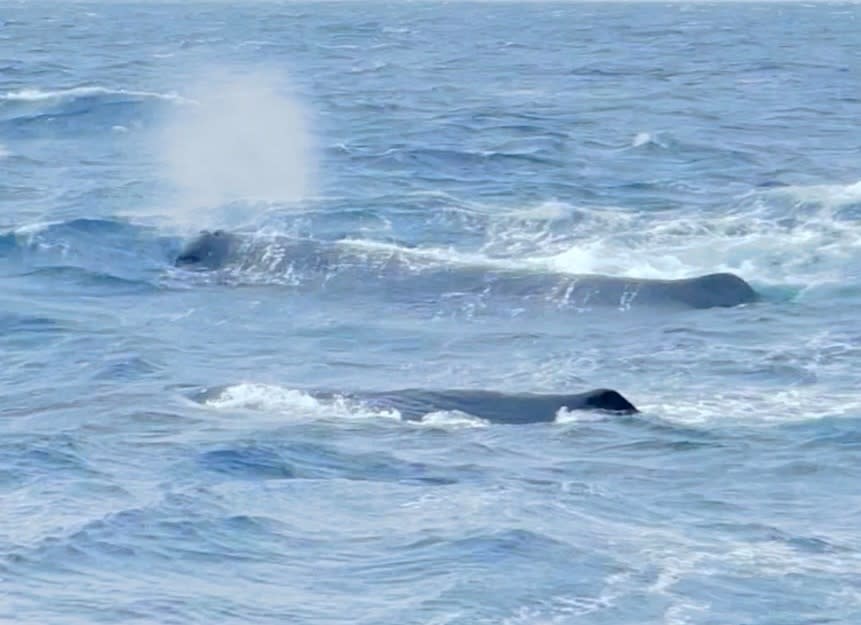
(262, 397)
(796, 236)
(4, 153)
(244, 144)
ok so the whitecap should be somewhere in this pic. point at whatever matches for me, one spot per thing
(830, 195)
(39, 95)
(262, 397)
(642, 138)
(452, 419)
(288, 402)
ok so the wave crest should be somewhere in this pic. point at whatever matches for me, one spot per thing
(74, 93)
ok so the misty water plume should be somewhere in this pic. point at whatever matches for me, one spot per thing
(240, 144)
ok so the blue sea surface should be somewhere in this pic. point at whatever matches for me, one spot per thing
(164, 456)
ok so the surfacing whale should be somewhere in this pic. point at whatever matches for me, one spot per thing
(208, 250)
(414, 404)
(494, 406)
(318, 262)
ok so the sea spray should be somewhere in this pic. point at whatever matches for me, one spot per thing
(241, 145)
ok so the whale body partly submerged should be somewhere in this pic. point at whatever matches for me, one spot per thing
(220, 249)
(494, 406)
(414, 404)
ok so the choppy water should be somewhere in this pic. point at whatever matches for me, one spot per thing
(161, 458)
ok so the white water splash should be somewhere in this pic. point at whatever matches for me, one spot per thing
(263, 397)
(790, 236)
(804, 236)
(751, 405)
(828, 195)
(287, 402)
(642, 138)
(451, 419)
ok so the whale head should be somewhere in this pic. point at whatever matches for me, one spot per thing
(717, 289)
(607, 399)
(208, 250)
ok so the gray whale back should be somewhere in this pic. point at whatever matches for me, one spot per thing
(341, 266)
(495, 406)
(414, 404)
(708, 291)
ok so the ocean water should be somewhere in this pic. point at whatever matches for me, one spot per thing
(163, 457)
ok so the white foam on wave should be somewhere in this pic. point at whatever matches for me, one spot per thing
(642, 138)
(452, 419)
(35, 228)
(778, 558)
(563, 415)
(753, 405)
(292, 403)
(39, 95)
(4, 152)
(765, 239)
(829, 195)
(262, 397)
(748, 560)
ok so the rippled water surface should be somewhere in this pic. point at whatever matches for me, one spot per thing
(423, 184)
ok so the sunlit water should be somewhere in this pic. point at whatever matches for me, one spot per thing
(162, 457)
